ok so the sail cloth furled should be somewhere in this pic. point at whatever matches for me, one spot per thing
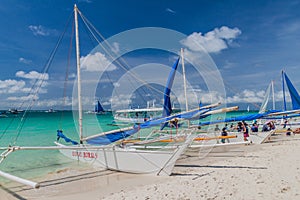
(61, 135)
(293, 93)
(105, 139)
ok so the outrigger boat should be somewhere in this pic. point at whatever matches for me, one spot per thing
(110, 156)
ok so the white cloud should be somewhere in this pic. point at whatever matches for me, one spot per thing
(25, 61)
(246, 96)
(72, 76)
(12, 86)
(115, 47)
(116, 84)
(32, 75)
(213, 41)
(39, 30)
(23, 98)
(170, 10)
(194, 97)
(23, 90)
(96, 62)
(122, 102)
(251, 96)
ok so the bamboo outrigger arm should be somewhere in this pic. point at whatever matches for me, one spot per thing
(12, 177)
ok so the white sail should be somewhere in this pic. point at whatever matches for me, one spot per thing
(263, 107)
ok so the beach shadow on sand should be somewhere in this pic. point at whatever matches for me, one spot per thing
(63, 180)
(196, 175)
(76, 177)
(12, 193)
(221, 166)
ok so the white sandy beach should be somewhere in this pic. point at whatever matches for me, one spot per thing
(266, 171)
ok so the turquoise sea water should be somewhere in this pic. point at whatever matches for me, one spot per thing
(39, 129)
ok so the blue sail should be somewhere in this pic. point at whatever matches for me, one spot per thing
(113, 137)
(167, 107)
(61, 135)
(99, 108)
(293, 93)
(240, 118)
(189, 115)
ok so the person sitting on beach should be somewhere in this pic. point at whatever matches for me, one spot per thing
(285, 123)
(289, 131)
(226, 127)
(231, 127)
(272, 125)
(254, 128)
(224, 133)
(265, 128)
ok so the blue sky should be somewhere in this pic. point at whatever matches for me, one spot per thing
(264, 39)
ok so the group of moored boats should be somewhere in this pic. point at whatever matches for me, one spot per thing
(152, 145)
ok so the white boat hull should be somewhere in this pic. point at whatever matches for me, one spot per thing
(159, 162)
(129, 120)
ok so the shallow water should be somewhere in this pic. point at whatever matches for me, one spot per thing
(39, 129)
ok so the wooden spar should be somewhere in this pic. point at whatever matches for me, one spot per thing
(283, 131)
(216, 145)
(20, 180)
(234, 108)
(129, 141)
(176, 139)
(192, 145)
(215, 138)
(285, 112)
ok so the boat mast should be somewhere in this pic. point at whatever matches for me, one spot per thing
(78, 74)
(184, 82)
(273, 94)
(283, 90)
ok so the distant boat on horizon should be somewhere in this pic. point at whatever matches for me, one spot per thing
(50, 110)
(99, 110)
(15, 111)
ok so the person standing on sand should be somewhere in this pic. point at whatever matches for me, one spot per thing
(239, 127)
(217, 128)
(224, 133)
(245, 131)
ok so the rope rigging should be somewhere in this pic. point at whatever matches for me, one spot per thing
(37, 85)
(124, 65)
